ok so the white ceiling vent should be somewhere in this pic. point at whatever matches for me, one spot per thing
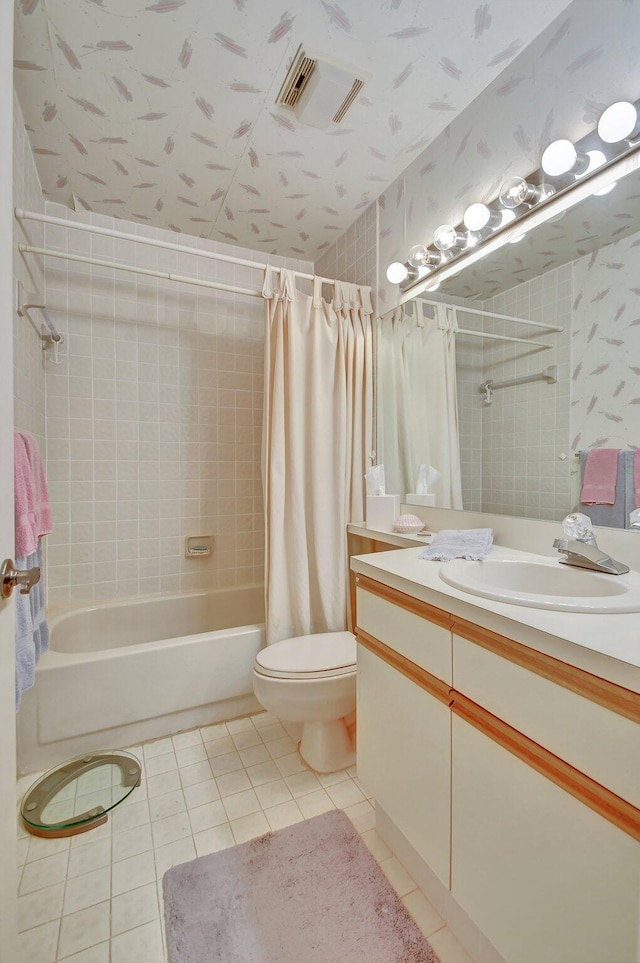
(319, 90)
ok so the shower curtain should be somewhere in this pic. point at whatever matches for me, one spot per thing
(417, 400)
(317, 438)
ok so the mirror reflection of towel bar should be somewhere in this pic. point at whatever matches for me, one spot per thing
(550, 375)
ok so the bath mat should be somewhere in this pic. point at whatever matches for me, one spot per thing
(310, 893)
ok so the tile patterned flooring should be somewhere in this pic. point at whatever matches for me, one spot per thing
(97, 897)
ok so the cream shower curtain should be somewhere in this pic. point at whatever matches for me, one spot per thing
(416, 391)
(317, 439)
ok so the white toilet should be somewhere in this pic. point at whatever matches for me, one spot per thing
(312, 679)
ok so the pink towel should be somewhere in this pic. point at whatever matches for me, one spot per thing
(600, 476)
(636, 480)
(32, 509)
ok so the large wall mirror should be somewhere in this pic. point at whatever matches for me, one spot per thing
(568, 391)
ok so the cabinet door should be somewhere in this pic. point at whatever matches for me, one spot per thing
(544, 877)
(404, 757)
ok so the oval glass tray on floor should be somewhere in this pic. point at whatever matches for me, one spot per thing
(77, 796)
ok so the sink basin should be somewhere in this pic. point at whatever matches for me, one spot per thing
(544, 585)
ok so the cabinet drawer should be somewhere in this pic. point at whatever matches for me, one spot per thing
(545, 878)
(412, 635)
(595, 740)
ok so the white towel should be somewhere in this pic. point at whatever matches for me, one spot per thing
(473, 543)
(32, 631)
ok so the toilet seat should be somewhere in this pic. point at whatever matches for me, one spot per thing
(322, 655)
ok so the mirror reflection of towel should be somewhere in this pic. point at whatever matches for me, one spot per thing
(599, 477)
(617, 514)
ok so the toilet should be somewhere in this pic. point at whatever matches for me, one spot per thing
(312, 679)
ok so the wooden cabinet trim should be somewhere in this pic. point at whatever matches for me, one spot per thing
(602, 801)
(430, 683)
(407, 602)
(607, 694)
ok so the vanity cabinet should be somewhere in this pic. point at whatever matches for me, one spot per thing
(404, 756)
(513, 776)
(543, 876)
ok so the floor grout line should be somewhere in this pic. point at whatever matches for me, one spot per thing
(312, 796)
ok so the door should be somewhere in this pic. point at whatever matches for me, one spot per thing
(8, 898)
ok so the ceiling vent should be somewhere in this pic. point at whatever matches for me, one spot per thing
(319, 90)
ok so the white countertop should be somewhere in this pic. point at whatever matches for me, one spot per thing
(606, 645)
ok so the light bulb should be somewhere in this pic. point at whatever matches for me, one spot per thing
(507, 217)
(618, 122)
(421, 257)
(561, 157)
(397, 273)
(446, 238)
(517, 191)
(596, 159)
(433, 287)
(605, 190)
(478, 216)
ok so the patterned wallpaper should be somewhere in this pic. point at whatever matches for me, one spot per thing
(557, 87)
(164, 112)
(605, 375)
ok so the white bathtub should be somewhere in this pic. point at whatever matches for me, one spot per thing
(123, 672)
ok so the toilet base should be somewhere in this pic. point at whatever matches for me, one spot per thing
(326, 746)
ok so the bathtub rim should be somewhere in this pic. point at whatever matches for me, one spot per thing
(59, 614)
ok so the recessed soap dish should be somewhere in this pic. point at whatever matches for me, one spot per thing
(198, 545)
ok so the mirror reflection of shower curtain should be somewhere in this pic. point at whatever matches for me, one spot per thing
(417, 400)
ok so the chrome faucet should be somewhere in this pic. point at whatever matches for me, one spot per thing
(584, 555)
(581, 548)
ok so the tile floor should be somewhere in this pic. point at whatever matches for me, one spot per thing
(97, 897)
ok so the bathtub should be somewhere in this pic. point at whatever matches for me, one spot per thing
(124, 672)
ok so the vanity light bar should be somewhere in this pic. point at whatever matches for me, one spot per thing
(485, 229)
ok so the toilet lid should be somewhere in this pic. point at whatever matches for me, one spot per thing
(309, 656)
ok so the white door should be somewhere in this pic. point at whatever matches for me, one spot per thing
(8, 949)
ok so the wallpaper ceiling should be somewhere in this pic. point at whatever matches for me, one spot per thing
(162, 111)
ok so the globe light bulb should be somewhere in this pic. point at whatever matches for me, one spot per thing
(605, 190)
(596, 160)
(516, 191)
(422, 257)
(446, 238)
(618, 122)
(478, 216)
(561, 157)
(397, 273)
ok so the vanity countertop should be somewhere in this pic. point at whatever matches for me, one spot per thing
(606, 645)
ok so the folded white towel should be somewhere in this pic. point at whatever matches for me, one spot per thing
(473, 543)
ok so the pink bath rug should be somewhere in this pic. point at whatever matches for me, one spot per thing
(310, 893)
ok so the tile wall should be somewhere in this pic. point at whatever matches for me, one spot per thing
(526, 458)
(354, 256)
(153, 420)
(469, 353)
(29, 361)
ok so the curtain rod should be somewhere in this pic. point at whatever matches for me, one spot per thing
(492, 314)
(502, 337)
(23, 215)
(166, 275)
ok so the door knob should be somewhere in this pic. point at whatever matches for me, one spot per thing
(11, 577)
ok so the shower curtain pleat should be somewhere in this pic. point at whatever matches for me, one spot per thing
(316, 442)
(418, 398)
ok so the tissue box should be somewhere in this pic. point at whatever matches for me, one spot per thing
(428, 501)
(382, 511)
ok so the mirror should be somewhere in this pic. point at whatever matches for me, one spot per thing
(520, 445)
